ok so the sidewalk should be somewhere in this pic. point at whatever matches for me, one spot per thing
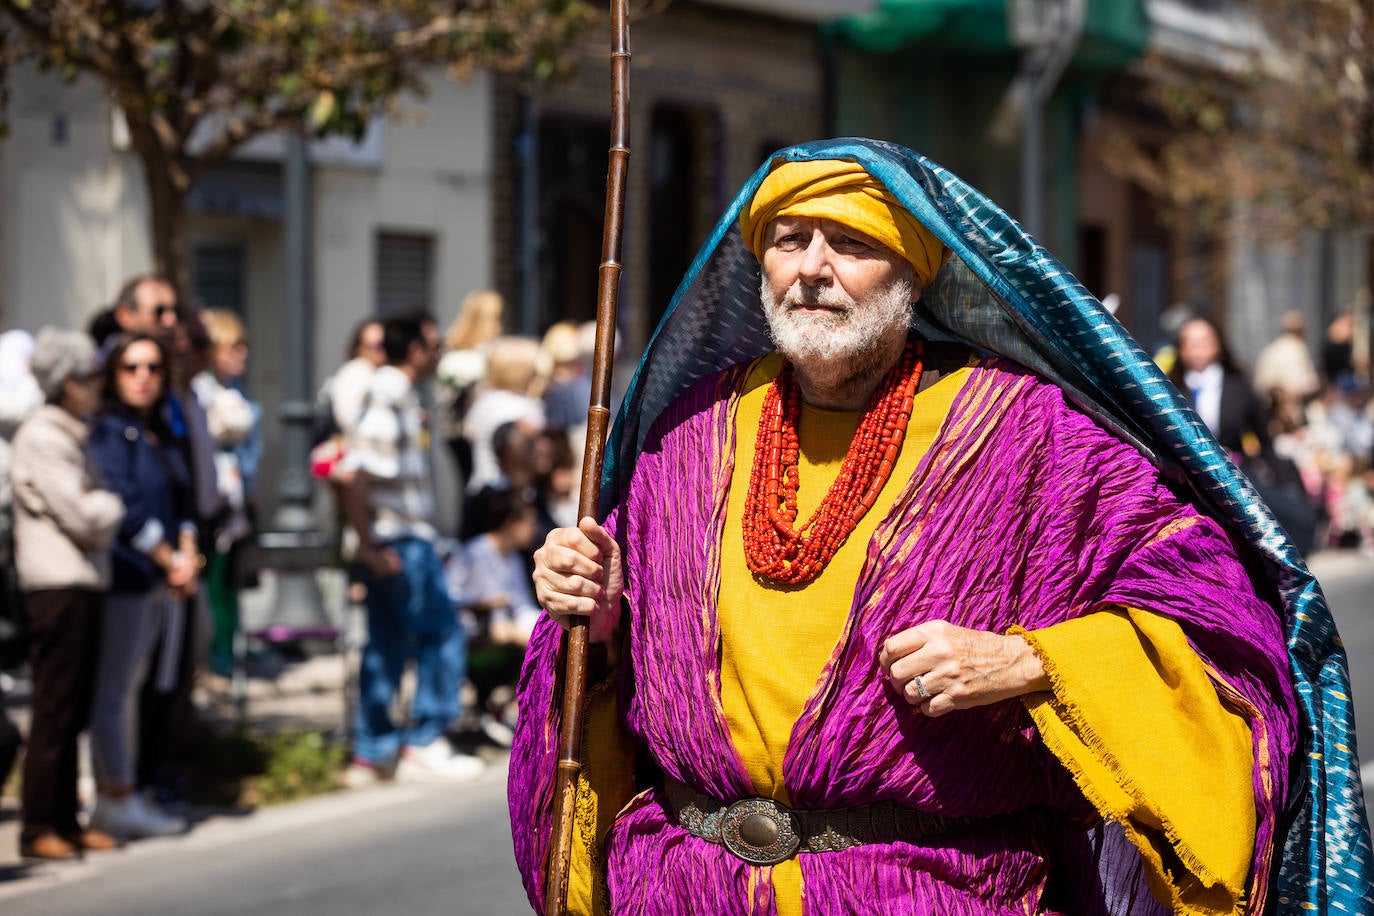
(305, 695)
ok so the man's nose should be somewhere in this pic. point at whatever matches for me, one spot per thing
(815, 268)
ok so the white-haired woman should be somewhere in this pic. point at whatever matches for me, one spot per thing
(64, 523)
(509, 394)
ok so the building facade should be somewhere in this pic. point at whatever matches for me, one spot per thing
(401, 220)
(715, 88)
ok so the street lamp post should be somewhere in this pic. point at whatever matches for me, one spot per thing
(1048, 32)
(293, 546)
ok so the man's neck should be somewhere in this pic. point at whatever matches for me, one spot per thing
(846, 384)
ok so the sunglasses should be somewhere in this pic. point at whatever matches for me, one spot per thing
(162, 311)
(133, 368)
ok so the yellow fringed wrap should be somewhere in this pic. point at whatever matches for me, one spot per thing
(845, 192)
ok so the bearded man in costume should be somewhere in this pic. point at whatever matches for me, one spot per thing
(924, 592)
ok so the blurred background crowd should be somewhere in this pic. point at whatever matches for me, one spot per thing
(130, 458)
(1299, 422)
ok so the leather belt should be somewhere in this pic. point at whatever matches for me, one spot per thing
(763, 831)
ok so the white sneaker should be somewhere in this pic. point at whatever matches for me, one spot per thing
(129, 818)
(361, 774)
(438, 761)
(497, 731)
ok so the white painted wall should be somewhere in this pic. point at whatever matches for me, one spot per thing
(435, 180)
(73, 212)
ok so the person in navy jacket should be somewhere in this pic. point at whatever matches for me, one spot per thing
(155, 567)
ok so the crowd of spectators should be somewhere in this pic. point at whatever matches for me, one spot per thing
(129, 456)
(505, 408)
(1301, 426)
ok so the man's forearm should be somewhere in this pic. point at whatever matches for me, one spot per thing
(356, 509)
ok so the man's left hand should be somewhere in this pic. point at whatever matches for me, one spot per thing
(959, 668)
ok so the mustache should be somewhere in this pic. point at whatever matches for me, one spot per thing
(826, 297)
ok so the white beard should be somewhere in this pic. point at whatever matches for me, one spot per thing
(847, 339)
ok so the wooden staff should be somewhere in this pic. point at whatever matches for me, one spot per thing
(598, 421)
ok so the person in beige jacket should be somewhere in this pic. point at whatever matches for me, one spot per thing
(63, 526)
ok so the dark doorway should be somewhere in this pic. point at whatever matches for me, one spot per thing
(1092, 259)
(572, 183)
(673, 177)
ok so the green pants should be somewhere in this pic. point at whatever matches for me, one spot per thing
(224, 612)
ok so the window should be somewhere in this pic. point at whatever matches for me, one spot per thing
(403, 273)
(218, 276)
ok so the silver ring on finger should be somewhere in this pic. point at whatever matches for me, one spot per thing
(921, 687)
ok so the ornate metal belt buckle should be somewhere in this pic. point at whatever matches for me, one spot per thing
(759, 830)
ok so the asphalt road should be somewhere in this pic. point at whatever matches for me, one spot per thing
(417, 850)
(428, 849)
(1348, 580)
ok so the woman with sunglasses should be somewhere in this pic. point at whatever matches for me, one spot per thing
(155, 563)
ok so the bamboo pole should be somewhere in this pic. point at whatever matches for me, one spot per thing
(598, 422)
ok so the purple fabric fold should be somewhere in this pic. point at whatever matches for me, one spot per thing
(1023, 512)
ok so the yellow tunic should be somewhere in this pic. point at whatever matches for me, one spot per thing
(765, 643)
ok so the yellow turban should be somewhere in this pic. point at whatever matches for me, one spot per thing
(845, 192)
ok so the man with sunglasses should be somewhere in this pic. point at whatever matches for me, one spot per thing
(148, 304)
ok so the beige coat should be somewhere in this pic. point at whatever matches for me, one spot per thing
(63, 523)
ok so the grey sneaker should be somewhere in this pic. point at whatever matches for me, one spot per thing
(130, 818)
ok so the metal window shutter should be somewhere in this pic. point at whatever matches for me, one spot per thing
(404, 272)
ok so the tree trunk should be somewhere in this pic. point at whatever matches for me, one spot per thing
(167, 183)
(170, 242)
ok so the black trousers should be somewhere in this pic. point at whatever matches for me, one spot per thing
(64, 634)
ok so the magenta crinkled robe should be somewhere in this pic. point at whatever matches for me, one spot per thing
(1023, 512)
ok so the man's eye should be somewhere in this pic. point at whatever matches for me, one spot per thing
(851, 243)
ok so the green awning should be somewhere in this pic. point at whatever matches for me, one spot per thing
(1115, 31)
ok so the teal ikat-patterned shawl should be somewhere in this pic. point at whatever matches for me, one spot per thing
(1003, 293)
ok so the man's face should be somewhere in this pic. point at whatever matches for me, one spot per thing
(1198, 346)
(154, 309)
(832, 293)
(425, 355)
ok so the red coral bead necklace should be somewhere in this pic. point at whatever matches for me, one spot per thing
(774, 546)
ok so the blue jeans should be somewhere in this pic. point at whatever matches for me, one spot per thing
(409, 616)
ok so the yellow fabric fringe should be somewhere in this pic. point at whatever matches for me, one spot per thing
(845, 192)
(1137, 720)
(778, 640)
(604, 787)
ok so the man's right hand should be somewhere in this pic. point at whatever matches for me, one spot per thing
(578, 573)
